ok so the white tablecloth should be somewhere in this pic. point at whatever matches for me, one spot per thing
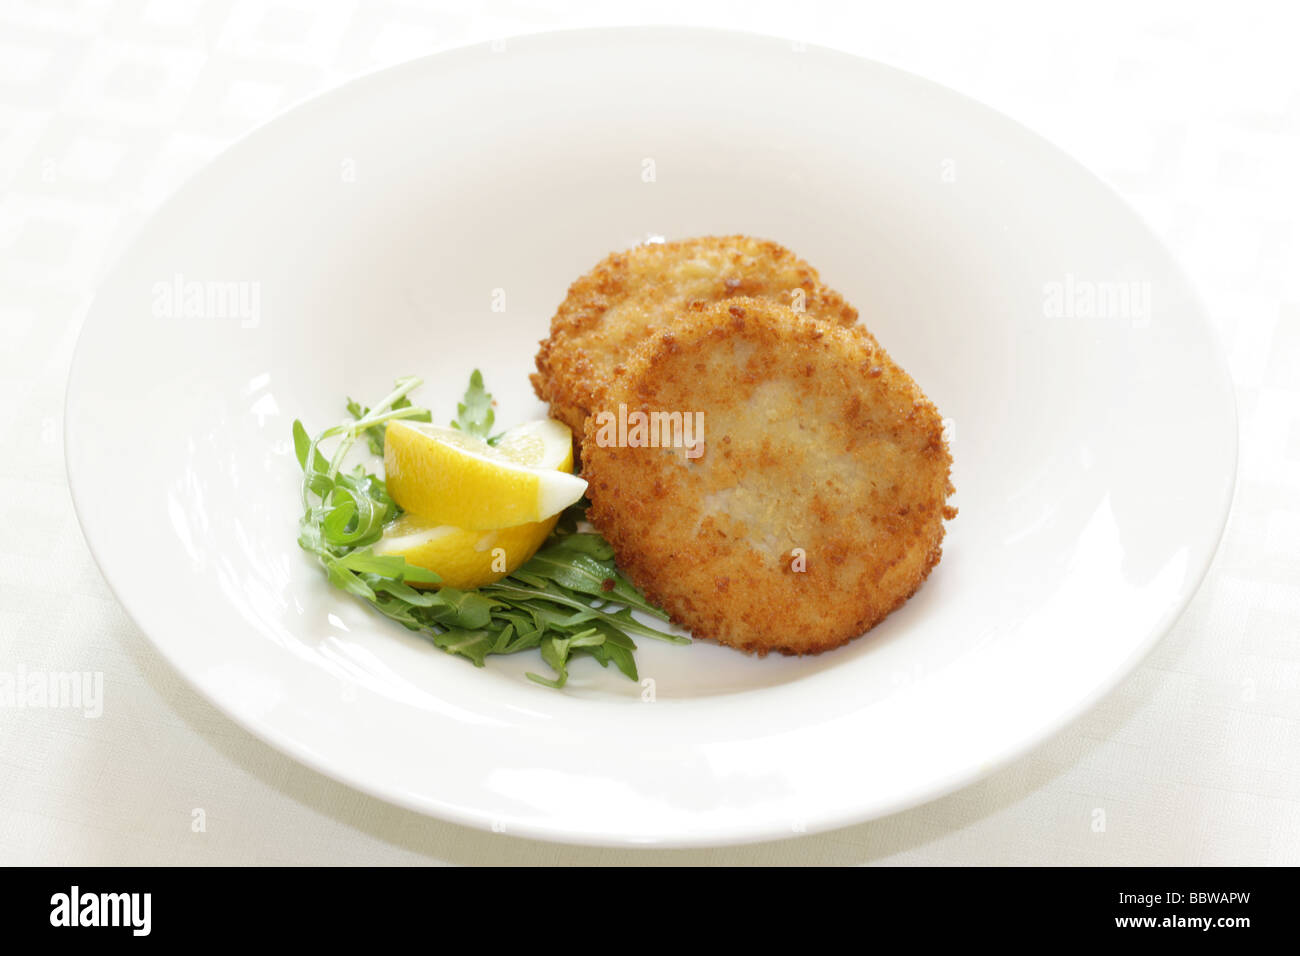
(1194, 114)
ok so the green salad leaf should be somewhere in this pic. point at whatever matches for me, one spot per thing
(568, 600)
(374, 434)
(474, 415)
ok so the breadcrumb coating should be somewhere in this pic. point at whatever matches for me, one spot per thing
(631, 295)
(818, 503)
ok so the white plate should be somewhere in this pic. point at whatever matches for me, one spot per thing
(379, 224)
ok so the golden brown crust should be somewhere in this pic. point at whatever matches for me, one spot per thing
(813, 439)
(630, 295)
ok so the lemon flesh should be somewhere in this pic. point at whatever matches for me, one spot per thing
(449, 478)
(463, 559)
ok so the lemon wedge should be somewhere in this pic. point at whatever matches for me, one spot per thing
(463, 559)
(449, 478)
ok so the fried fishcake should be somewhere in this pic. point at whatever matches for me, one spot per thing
(817, 505)
(630, 295)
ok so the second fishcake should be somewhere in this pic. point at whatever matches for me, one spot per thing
(817, 505)
(630, 295)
